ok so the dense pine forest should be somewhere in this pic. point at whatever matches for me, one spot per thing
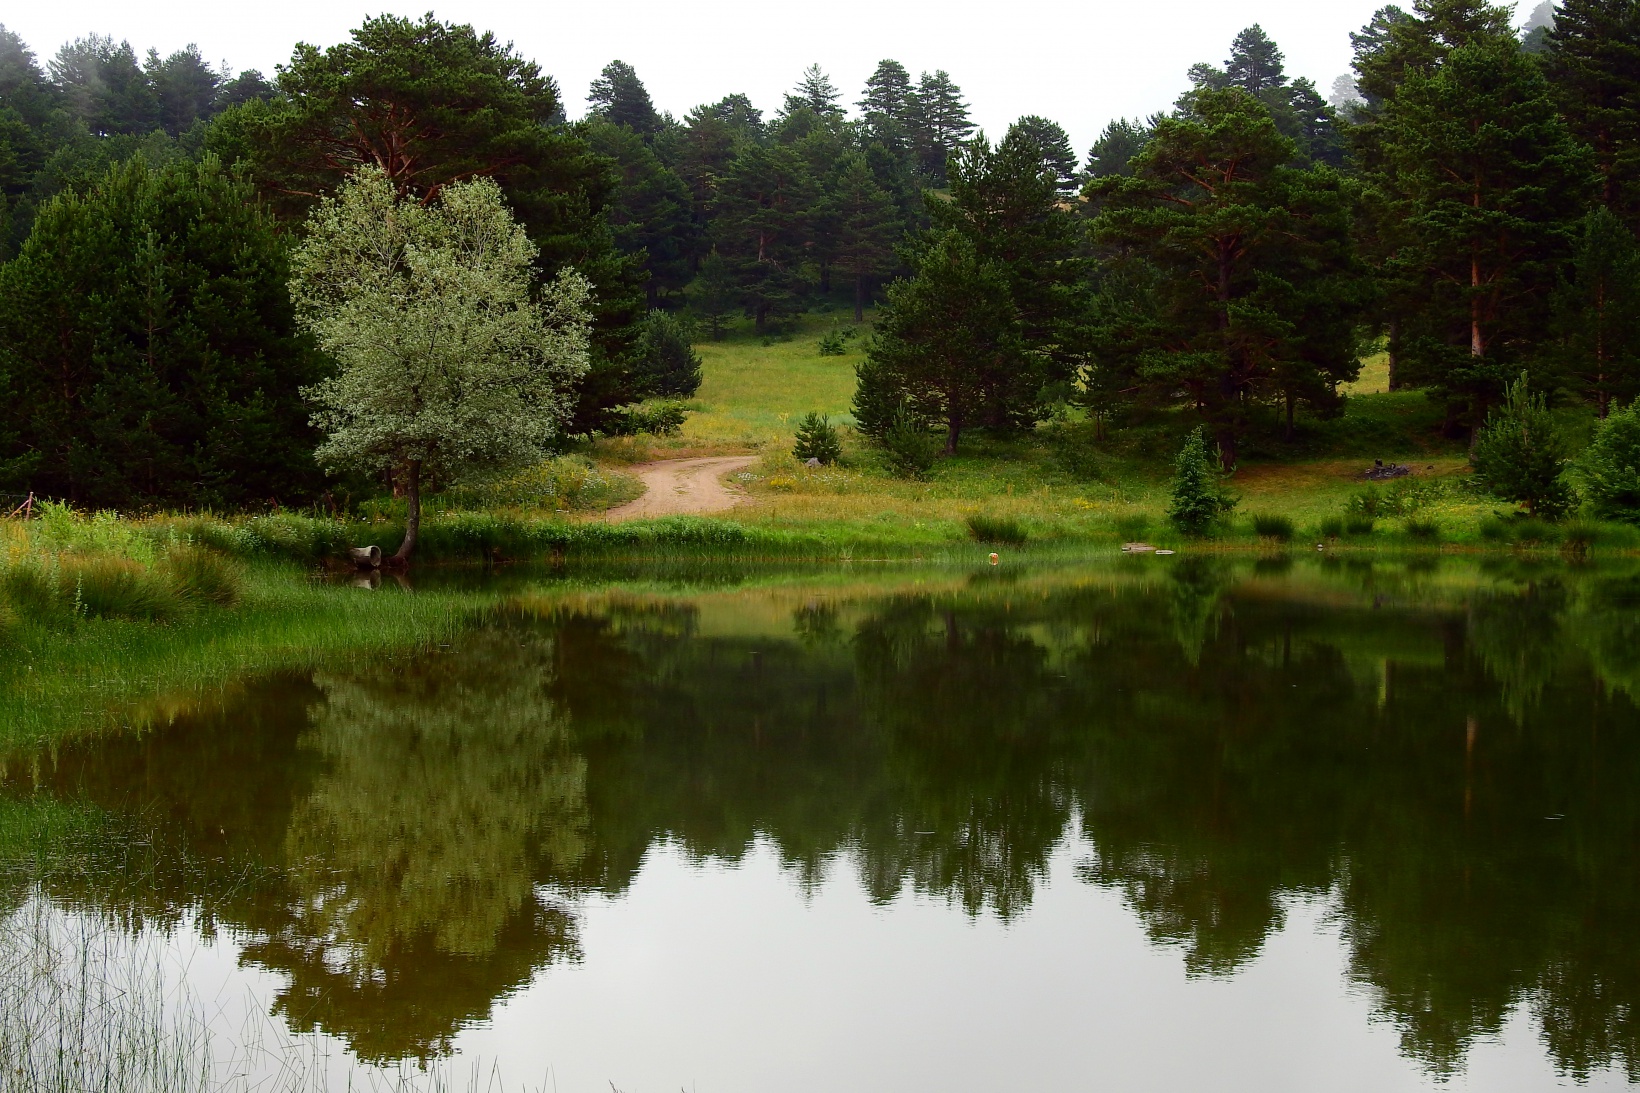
(1466, 202)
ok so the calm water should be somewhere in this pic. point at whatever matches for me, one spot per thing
(1170, 824)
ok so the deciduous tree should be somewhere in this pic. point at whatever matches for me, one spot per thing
(447, 361)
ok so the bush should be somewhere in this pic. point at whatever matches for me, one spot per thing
(1427, 530)
(996, 529)
(816, 439)
(657, 419)
(833, 344)
(1577, 536)
(1359, 525)
(1332, 527)
(1198, 499)
(907, 446)
(1520, 454)
(1279, 528)
(1609, 468)
(1524, 531)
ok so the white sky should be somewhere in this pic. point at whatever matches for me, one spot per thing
(1080, 64)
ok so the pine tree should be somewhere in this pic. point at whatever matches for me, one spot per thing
(815, 92)
(1315, 125)
(1215, 202)
(817, 440)
(888, 105)
(103, 85)
(1057, 157)
(1198, 499)
(939, 123)
(1256, 63)
(151, 348)
(668, 365)
(185, 87)
(762, 214)
(1113, 152)
(868, 226)
(1486, 190)
(650, 213)
(619, 97)
(713, 293)
(1520, 454)
(947, 341)
(1011, 210)
(1594, 66)
(1598, 312)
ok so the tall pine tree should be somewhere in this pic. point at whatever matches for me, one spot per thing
(1594, 64)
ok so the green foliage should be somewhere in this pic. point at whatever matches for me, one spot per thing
(1608, 471)
(1424, 529)
(1520, 454)
(654, 418)
(1214, 200)
(448, 362)
(431, 104)
(1597, 312)
(996, 529)
(1486, 187)
(833, 343)
(1273, 526)
(199, 576)
(149, 354)
(907, 446)
(1332, 527)
(817, 439)
(563, 483)
(668, 365)
(1197, 496)
(948, 343)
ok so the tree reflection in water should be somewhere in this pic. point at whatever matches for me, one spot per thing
(1228, 739)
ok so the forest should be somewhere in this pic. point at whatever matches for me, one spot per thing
(1465, 205)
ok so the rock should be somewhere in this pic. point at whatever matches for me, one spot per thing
(811, 462)
(1137, 548)
(1381, 471)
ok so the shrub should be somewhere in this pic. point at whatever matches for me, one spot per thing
(1609, 468)
(656, 418)
(907, 446)
(1332, 527)
(1577, 536)
(1359, 525)
(1427, 530)
(1520, 454)
(1198, 499)
(33, 590)
(1530, 531)
(996, 529)
(816, 439)
(833, 344)
(1266, 526)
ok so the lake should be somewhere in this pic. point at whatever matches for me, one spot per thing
(1158, 824)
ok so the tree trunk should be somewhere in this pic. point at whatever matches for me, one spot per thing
(1288, 395)
(953, 432)
(1395, 354)
(1226, 436)
(412, 513)
(859, 297)
(759, 313)
(825, 278)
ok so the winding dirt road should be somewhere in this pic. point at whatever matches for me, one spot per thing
(684, 486)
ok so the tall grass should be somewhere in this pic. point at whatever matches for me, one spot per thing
(87, 1006)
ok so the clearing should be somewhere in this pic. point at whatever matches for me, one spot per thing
(675, 487)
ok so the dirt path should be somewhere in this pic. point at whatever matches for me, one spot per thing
(676, 486)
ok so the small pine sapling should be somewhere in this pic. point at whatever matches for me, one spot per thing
(817, 439)
(1520, 454)
(1198, 499)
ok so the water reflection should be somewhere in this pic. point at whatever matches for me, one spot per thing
(1451, 759)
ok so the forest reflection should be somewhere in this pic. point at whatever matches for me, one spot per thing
(1451, 757)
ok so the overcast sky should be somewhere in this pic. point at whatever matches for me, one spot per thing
(1080, 64)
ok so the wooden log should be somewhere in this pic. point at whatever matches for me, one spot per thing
(368, 557)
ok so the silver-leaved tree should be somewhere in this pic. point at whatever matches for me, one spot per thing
(449, 361)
